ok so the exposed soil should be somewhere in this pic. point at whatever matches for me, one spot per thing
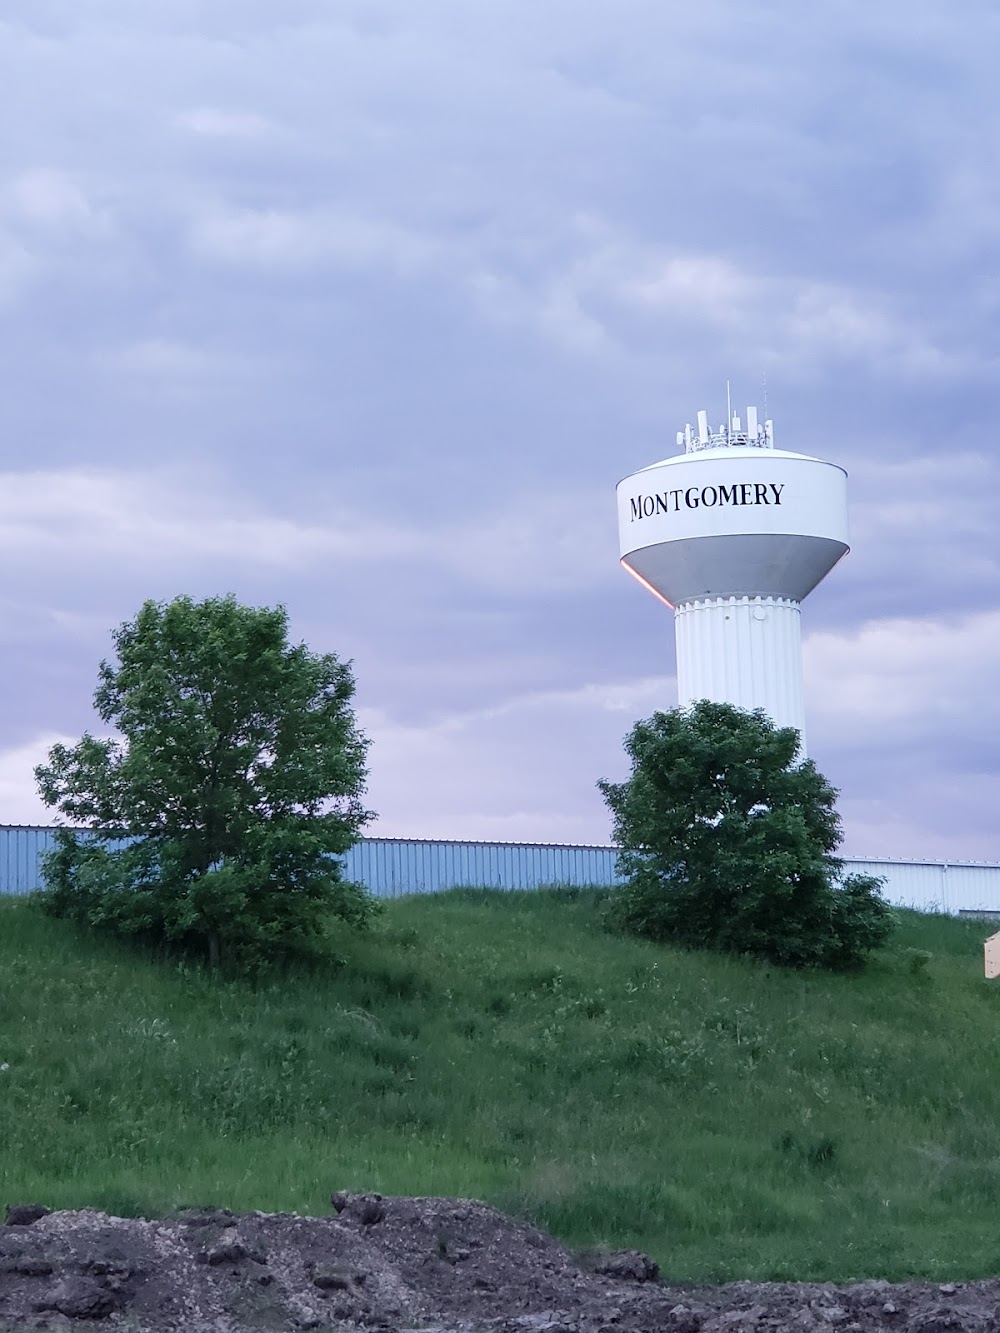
(441, 1265)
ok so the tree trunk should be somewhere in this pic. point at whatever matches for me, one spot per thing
(214, 951)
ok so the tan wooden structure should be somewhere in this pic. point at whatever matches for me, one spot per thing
(991, 955)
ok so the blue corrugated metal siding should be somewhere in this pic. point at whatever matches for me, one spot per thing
(391, 867)
(388, 867)
(20, 853)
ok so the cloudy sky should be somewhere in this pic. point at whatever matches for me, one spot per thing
(365, 306)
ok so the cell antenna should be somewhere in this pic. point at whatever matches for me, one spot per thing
(729, 411)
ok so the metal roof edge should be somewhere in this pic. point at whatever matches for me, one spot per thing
(558, 846)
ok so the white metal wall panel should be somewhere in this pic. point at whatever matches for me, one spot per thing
(921, 884)
(972, 887)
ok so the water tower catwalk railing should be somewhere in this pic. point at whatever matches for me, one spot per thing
(733, 534)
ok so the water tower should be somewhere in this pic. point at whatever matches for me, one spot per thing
(733, 534)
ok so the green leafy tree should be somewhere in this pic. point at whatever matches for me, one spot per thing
(727, 842)
(216, 821)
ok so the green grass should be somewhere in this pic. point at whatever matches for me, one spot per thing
(731, 1119)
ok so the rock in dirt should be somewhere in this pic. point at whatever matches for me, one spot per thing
(368, 1209)
(228, 1252)
(627, 1266)
(78, 1298)
(24, 1214)
(941, 1320)
(30, 1265)
(206, 1217)
(332, 1277)
(831, 1314)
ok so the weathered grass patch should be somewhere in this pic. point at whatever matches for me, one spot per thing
(733, 1120)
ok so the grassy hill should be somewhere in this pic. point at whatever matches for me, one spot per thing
(733, 1120)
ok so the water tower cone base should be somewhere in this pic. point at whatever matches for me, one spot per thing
(746, 651)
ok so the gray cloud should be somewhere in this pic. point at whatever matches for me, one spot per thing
(367, 311)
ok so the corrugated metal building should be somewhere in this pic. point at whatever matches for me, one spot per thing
(394, 866)
(948, 886)
(391, 867)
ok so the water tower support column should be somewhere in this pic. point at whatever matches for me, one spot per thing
(745, 651)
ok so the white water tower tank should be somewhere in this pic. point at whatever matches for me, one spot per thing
(733, 534)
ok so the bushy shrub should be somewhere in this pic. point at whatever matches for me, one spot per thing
(217, 820)
(728, 842)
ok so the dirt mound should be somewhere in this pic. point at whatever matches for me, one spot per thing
(437, 1264)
